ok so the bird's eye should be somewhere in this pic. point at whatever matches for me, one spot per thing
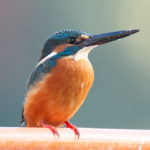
(71, 40)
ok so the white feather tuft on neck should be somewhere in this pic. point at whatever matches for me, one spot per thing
(83, 53)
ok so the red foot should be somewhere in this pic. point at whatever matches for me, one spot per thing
(76, 131)
(52, 128)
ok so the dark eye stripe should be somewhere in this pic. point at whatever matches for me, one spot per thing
(71, 40)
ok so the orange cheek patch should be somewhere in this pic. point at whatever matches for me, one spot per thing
(81, 38)
(85, 37)
(61, 48)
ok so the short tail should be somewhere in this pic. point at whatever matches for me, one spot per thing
(22, 122)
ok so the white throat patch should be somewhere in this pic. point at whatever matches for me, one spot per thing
(83, 53)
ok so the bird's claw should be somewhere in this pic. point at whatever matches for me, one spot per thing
(74, 128)
(52, 128)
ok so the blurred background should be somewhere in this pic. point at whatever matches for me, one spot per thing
(120, 96)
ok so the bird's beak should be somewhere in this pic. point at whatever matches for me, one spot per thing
(98, 39)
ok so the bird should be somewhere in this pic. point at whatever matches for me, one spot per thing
(62, 78)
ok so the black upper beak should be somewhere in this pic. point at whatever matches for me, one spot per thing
(98, 39)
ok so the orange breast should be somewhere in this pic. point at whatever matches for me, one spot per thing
(57, 97)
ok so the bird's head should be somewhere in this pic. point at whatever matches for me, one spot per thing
(71, 42)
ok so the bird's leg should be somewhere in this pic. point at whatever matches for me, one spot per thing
(52, 128)
(71, 126)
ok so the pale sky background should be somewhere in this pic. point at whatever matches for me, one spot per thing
(120, 96)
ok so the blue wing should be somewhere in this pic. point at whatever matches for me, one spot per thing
(40, 70)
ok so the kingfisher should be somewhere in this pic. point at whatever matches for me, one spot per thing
(62, 78)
